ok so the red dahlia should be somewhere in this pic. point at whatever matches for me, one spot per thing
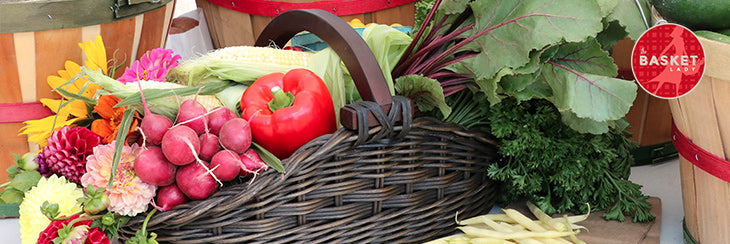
(66, 152)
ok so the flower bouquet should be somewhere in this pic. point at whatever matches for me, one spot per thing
(83, 183)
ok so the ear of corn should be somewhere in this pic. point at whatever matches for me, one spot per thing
(166, 106)
(242, 64)
(208, 101)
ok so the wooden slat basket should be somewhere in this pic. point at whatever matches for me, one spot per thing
(37, 37)
(650, 117)
(397, 182)
(703, 116)
(239, 22)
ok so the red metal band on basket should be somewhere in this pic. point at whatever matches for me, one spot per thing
(701, 158)
(19, 112)
(337, 7)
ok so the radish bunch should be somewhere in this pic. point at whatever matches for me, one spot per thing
(189, 160)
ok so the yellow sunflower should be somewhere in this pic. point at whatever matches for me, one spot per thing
(95, 54)
(40, 130)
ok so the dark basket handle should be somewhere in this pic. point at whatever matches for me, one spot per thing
(347, 43)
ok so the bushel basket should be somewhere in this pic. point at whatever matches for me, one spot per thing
(375, 181)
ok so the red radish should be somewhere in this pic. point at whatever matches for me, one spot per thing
(252, 162)
(218, 117)
(153, 126)
(192, 114)
(195, 181)
(153, 168)
(235, 135)
(209, 146)
(168, 197)
(226, 164)
(180, 145)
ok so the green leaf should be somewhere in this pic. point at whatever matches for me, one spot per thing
(519, 82)
(17, 158)
(628, 15)
(140, 237)
(124, 125)
(12, 196)
(388, 45)
(591, 96)
(328, 66)
(23, 181)
(9, 210)
(269, 158)
(454, 6)
(13, 170)
(426, 93)
(110, 223)
(74, 96)
(607, 6)
(63, 233)
(584, 125)
(231, 97)
(109, 84)
(517, 79)
(525, 87)
(586, 57)
(108, 219)
(580, 75)
(490, 86)
(152, 94)
(611, 35)
(507, 31)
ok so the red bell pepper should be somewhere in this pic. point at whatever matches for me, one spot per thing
(286, 111)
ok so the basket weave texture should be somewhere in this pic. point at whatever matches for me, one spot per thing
(398, 182)
(402, 190)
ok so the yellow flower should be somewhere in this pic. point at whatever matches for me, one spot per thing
(70, 71)
(40, 130)
(95, 54)
(54, 190)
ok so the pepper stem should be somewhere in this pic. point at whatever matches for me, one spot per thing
(280, 99)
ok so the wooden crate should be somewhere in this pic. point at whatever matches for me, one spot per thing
(230, 27)
(30, 53)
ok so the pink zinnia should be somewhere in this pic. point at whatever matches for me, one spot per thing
(129, 195)
(153, 65)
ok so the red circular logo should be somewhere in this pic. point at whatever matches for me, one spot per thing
(668, 61)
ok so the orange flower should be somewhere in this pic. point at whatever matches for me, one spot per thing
(108, 126)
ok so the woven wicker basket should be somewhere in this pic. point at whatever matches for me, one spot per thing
(391, 183)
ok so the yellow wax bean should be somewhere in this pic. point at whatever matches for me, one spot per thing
(542, 216)
(523, 220)
(476, 232)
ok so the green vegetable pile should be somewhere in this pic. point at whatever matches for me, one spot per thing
(560, 169)
(539, 76)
